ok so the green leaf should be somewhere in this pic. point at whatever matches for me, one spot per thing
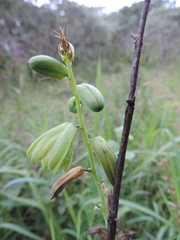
(23, 201)
(23, 180)
(143, 209)
(21, 230)
(8, 169)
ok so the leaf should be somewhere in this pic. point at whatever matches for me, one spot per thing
(144, 210)
(9, 169)
(23, 201)
(23, 180)
(21, 230)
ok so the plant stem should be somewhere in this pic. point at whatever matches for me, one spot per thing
(86, 140)
(138, 41)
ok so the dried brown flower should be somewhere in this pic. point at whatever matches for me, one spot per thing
(65, 48)
(61, 183)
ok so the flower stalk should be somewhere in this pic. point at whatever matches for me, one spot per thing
(54, 149)
(86, 140)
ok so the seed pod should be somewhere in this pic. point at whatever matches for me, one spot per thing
(105, 156)
(60, 184)
(48, 66)
(90, 96)
(72, 105)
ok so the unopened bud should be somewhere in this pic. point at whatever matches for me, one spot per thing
(90, 96)
(72, 105)
(48, 66)
(105, 156)
(54, 148)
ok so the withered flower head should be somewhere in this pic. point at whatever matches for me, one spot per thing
(65, 48)
(61, 183)
(102, 233)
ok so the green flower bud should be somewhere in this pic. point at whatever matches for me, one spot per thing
(72, 105)
(105, 156)
(54, 148)
(90, 96)
(41, 142)
(60, 155)
(48, 66)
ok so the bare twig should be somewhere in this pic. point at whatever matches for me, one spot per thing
(138, 41)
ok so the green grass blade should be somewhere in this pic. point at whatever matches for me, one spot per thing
(99, 85)
(13, 170)
(144, 210)
(70, 208)
(174, 237)
(47, 212)
(69, 232)
(51, 226)
(23, 180)
(162, 151)
(172, 213)
(20, 230)
(161, 233)
(23, 201)
(175, 164)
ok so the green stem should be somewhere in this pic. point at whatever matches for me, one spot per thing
(53, 235)
(86, 140)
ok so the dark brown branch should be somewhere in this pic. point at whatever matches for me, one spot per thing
(138, 41)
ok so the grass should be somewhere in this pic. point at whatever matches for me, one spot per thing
(150, 196)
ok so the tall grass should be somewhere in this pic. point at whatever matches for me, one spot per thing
(150, 198)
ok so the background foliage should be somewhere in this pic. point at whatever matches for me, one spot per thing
(150, 200)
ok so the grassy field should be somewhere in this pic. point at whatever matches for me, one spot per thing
(150, 196)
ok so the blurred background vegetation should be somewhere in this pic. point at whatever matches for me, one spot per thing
(29, 106)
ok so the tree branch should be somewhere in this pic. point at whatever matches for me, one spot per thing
(138, 41)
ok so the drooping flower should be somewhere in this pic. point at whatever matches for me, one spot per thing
(54, 148)
(61, 183)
